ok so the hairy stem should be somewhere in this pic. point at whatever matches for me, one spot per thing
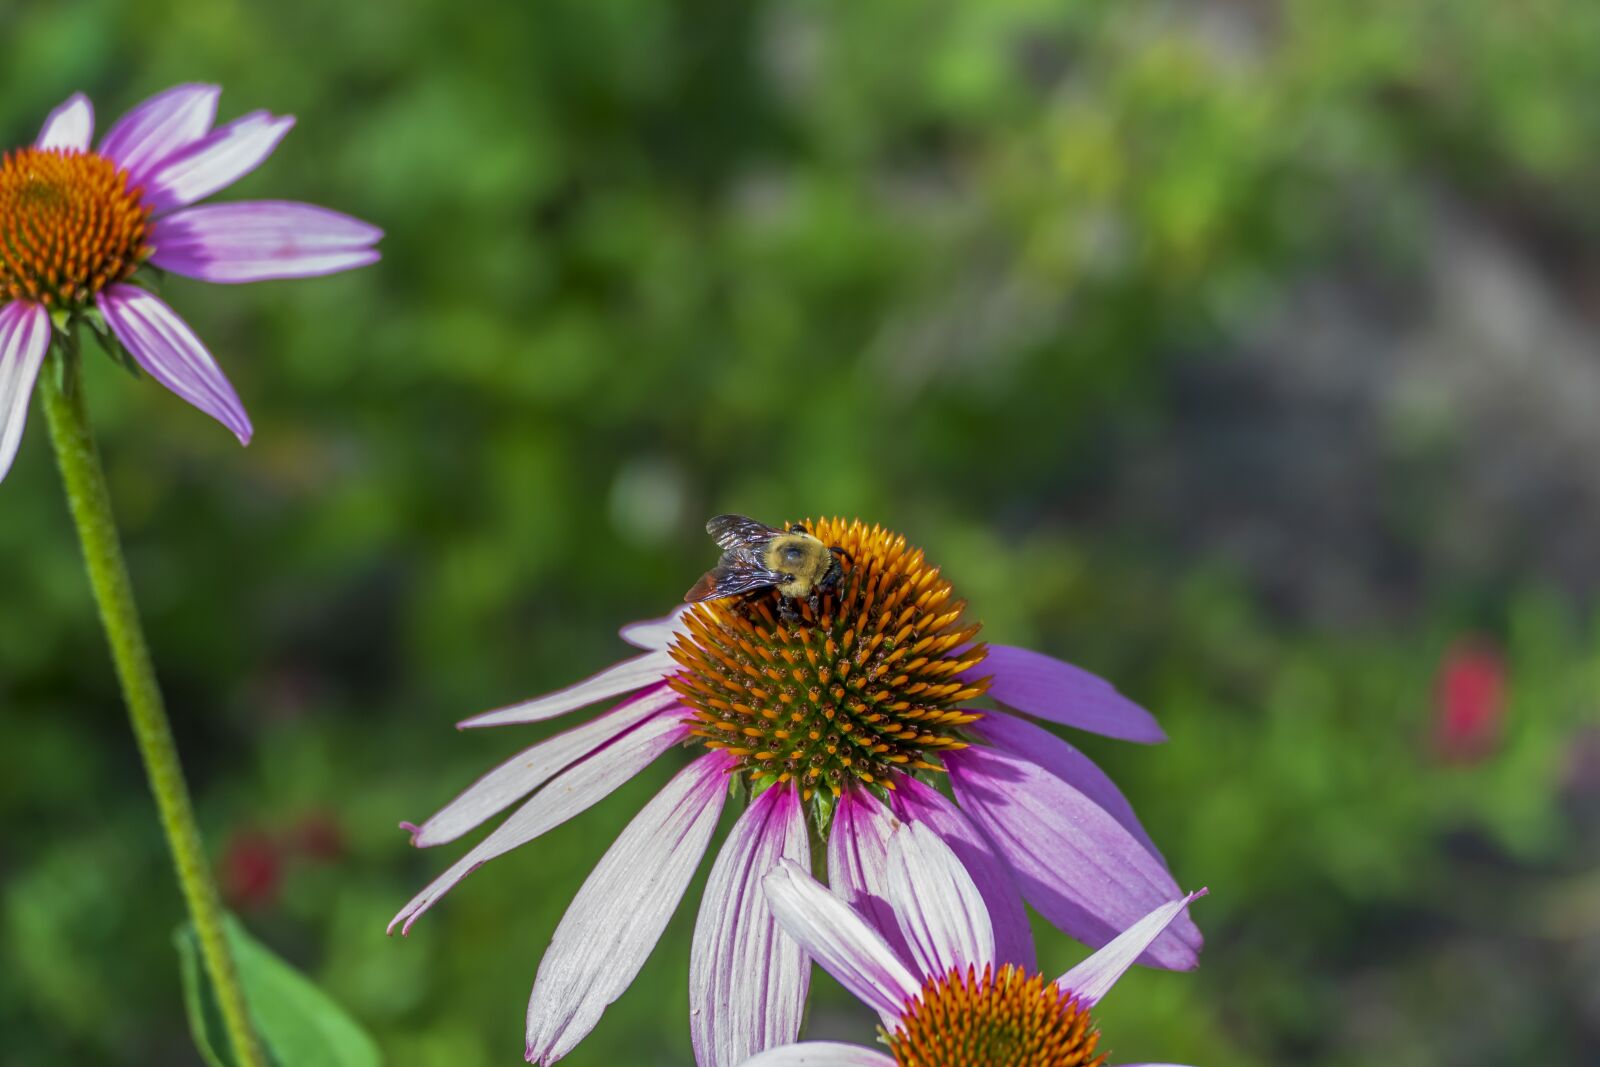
(61, 387)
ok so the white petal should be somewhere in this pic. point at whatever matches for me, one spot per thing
(654, 634)
(532, 767)
(941, 912)
(617, 917)
(821, 1054)
(24, 341)
(843, 942)
(69, 126)
(1092, 979)
(747, 977)
(576, 789)
(216, 161)
(614, 681)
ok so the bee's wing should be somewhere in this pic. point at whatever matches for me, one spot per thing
(737, 531)
(733, 574)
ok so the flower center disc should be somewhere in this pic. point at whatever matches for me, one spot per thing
(867, 684)
(994, 1020)
(69, 226)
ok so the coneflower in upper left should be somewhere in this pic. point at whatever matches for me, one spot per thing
(77, 224)
(78, 228)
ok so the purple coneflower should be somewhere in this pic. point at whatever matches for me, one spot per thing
(953, 1001)
(76, 224)
(835, 720)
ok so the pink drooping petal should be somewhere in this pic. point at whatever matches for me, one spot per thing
(169, 351)
(255, 240)
(941, 912)
(164, 124)
(1092, 979)
(614, 681)
(747, 977)
(574, 790)
(70, 126)
(841, 940)
(1076, 864)
(858, 861)
(614, 922)
(532, 767)
(821, 1054)
(654, 634)
(215, 161)
(913, 801)
(24, 341)
(1035, 743)
(1050, 689)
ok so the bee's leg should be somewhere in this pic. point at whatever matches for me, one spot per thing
(814, 601)
(786, 611)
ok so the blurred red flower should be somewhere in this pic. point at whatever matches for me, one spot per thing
(1469, 701)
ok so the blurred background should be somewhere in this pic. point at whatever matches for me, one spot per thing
(1246, 353)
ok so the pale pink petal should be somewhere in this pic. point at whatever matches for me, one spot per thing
(169, 351)
(941, 912)
(532, 767)
(24, 341)
(614, 922)
(70, 126)
(574, 790)
(165, 123)
(215, 161)
(1035, 743)
(1050, 689)
(821, 1054)
(1076, 864)
(1092, 979)
(654, 634)
(747, 978)
(254, 240)
(614, 681)
(842, 942)
(913, 801)
(858, 861)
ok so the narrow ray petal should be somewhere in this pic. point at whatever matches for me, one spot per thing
(574, 790)
(215, 161)
(747, 978)
(164, 124)
(533, 766)
(1034, 742)
(614, 681)
(858, 861)
(913, 801)
(841, 941)
(821, 1054)
(616, 919)
(654, 634)
(169, 351)
(24, 341)
(1050, 689)
(69, 126)
(1076, 864)
(941, 912)
(255, 240)
(1092, 979)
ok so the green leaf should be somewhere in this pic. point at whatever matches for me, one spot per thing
(299, 1024)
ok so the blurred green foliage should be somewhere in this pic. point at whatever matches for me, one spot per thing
(940, 265)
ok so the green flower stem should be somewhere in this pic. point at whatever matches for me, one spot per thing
(62, 388)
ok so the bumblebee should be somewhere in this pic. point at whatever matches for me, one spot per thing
(756, 556)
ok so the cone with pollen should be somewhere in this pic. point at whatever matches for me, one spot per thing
(867, 684)
(996, 1019)
(69, 226)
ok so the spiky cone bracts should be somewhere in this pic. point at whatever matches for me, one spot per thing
(997, 1018)
(876, 681)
